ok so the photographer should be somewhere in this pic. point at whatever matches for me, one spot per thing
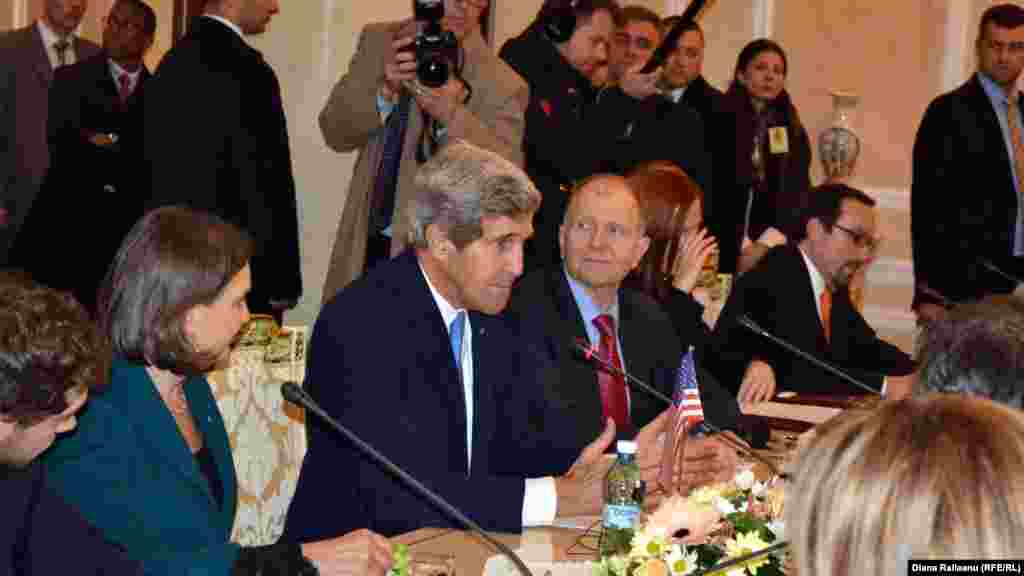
(561, 54)
(383, 108)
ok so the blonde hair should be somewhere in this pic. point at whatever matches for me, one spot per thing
(939, 476)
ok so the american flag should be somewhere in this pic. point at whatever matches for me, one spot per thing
(689, 411)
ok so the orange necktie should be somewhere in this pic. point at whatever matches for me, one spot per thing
(1016, 140)
(826, 312)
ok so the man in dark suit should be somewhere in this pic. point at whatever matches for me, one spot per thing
(28, 57)
(216, 140)
(91, 196)
(639, 122)
(800, 293)
(414, 358)
(969, 141)
(602, 239)
(682, 74)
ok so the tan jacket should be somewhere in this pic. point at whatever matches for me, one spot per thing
(492, 119)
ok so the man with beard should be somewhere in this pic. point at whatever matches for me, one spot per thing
(800, 294)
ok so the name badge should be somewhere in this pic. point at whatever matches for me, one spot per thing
(778, 140)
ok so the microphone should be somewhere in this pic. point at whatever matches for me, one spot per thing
(589, 353)
(296, 395)
(746, 322)
(999, 271)
(718, 568)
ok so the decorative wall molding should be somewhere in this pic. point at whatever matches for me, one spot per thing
(764, 18)
(891, 320)
(888, 198)
(891, 272)
(957, 51)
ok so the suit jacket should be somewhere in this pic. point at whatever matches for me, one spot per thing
(349, 121)
(777, 294)
(655, 128)
(380, 361)
(216, 140)
(960, 149)
(130, 474)
(650, 349)
(92, 193)
(36, 519)
(25, 76)
(704, 98)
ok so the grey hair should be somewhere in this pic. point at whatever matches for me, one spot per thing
(461, 185)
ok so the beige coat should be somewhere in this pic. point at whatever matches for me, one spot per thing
(492, 119)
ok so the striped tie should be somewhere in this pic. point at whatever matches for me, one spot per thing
(1016, 139)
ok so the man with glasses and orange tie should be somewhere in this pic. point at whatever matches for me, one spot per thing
(800, 294)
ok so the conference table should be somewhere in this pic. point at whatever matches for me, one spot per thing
(450, 552)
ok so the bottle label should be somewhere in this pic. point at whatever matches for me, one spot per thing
(622, 516)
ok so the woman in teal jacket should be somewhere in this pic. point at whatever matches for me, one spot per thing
(151, 465)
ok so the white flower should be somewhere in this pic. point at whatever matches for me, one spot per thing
(723, 506)
(678, 513)
(647, 545)
(745, 479)
(679, 562)
(706, 494)
(617, 565)
(758, 488)
(747, 543)
(778, 527)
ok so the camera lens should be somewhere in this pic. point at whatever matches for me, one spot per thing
(432, 71)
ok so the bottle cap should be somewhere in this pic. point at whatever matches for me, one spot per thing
(625, 447)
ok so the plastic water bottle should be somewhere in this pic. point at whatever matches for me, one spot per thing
(623, 496)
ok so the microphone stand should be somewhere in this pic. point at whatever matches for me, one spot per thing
(296, 395)
(999, 271)
(749, 324)
(590, 353)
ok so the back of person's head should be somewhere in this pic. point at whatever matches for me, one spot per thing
(463, 184)
(48, 346)
(977, 349)
(937, 476)
(825, 204)
(172, 260)
(665, 194)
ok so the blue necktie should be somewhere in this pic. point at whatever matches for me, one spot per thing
(455, 333)
(383, 199)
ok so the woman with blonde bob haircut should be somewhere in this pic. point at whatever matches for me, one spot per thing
(934, 477)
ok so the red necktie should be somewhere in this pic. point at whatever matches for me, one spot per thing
(124, 87)
(613, 387)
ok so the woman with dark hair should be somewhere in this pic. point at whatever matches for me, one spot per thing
(50, 357)
(151, 465)
(679, 245)
(762, 160)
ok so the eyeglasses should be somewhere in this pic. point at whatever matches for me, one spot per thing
(861, 239)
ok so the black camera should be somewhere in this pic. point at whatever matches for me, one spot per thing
(437, 50)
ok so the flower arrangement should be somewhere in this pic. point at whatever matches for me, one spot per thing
(722, 521)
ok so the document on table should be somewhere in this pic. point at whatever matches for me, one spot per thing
(802, 412)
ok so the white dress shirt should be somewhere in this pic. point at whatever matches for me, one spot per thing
(50, 38)
(116, 72)
(234, 27)
(540, 500)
